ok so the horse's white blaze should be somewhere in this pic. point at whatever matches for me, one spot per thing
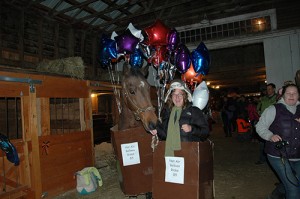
(142, 84)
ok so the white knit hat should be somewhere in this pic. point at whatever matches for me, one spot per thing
(178, 84)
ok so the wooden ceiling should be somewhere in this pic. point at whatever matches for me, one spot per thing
(238, 67)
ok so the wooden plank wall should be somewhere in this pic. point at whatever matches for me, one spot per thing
(61, 157)
(28, 38)
(50, 172)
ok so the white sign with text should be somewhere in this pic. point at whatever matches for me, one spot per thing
(174, 170)
(130, 154)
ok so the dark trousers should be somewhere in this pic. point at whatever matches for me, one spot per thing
(262, 154)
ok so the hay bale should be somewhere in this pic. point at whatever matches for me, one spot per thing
(71, 66)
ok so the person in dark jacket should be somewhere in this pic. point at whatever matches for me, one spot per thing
(180, 121)
(279, 125)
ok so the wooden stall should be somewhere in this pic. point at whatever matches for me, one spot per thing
(198, 172)
(55, 138)
(105, 109)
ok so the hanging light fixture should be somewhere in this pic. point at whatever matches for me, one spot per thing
(205, 21)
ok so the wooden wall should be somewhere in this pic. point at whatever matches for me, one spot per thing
(27, 38)
(61, 157)
(47, 162)
(282, 58)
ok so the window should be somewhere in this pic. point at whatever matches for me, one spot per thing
(229, 27)
(10, 117)
(64, 115)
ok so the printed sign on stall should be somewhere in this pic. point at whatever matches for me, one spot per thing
(174, 170)
(130, 153)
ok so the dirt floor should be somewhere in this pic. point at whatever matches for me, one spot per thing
(235, 174)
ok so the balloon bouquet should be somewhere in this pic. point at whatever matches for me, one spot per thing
(159, 46)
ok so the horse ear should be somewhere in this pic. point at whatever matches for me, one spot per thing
(297, 78)
(145, 70)
(126, 68)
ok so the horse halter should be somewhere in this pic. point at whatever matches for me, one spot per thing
(137, 110)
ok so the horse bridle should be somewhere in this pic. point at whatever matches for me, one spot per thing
(138, 110)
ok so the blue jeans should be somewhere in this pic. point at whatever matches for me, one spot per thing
(284, 172)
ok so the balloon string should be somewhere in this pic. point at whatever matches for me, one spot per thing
(116, 91)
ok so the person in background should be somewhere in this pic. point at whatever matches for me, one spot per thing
(279, 125)
(243, 128)
(180, 121)
(279, 92)
(226, 116)
(253, 117)
(267, 100)
(242, 106)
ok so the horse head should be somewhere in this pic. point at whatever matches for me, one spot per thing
(136, 103)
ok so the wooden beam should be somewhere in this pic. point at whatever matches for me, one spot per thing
(26, 138)
(158, 8)
(33, 131)
(89, 120)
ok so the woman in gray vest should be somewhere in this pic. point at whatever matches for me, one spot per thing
(279, 125)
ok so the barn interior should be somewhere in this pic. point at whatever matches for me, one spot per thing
(251, 43)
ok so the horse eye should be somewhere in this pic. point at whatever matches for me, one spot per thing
(132, 92)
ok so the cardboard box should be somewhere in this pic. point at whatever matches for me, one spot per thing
(198, 172)
(134, 179)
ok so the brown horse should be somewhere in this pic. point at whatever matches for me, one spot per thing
(137, 108)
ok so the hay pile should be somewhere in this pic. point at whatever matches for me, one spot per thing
(71, 66)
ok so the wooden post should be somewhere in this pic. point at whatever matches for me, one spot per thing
(33, 132)
(26, 138)
(89, 122)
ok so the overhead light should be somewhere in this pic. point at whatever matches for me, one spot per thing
(205, 20)
(93, 95)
